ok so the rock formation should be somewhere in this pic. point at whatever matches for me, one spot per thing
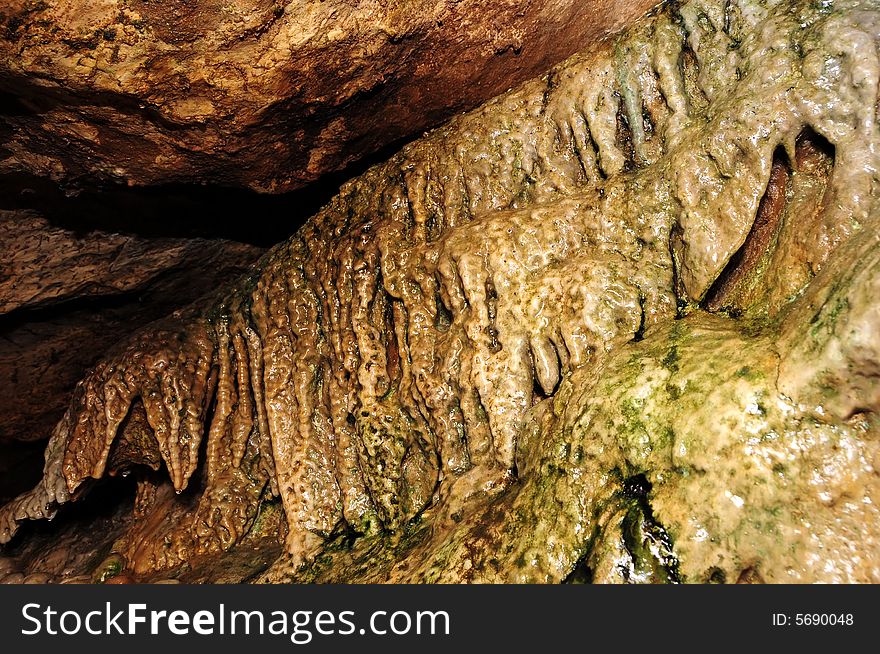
(617, 324)
(99, 96)
(53, 281)
(269, 94)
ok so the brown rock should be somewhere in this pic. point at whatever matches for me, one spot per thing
(556, 333)
(66, 295)
(259, 93)
(119, 579)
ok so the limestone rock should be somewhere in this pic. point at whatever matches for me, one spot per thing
(618, 324)
(269, 94)
(66, 295)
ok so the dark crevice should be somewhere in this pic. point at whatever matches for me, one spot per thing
(716, 576)
(169, 211)
(581, 573)
(21, 467)
(814, 154)
(647, 121)
(135, 443)
(393, 363)
(689, 69)
(591, 142)
(578, 156)
(179, 210)
(647, 541)
(750, 576)
(58, 310)
(538, 393)
(636, 487)
(102, 503)
(624, 135)
(443, 317)
(767, 221)
(814, 158)
(640, 330)
(492, 310)
(676, 256)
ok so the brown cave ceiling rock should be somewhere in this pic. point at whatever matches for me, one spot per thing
(619, 323)
(259, 93)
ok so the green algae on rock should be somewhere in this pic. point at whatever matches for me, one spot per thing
(619, 320)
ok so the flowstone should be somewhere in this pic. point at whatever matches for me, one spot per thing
(616, 325)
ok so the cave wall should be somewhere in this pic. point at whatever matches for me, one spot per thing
(189, 100)
(619, 319)
(260, 93)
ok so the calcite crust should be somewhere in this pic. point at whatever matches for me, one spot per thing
(618, 324)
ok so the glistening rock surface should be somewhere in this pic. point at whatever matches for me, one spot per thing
(618, 324)
(269, 94)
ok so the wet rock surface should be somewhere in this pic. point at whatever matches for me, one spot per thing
(267, 94)
(616, 325)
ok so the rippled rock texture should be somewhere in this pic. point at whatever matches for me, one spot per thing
(617, 325)
(268, 94)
